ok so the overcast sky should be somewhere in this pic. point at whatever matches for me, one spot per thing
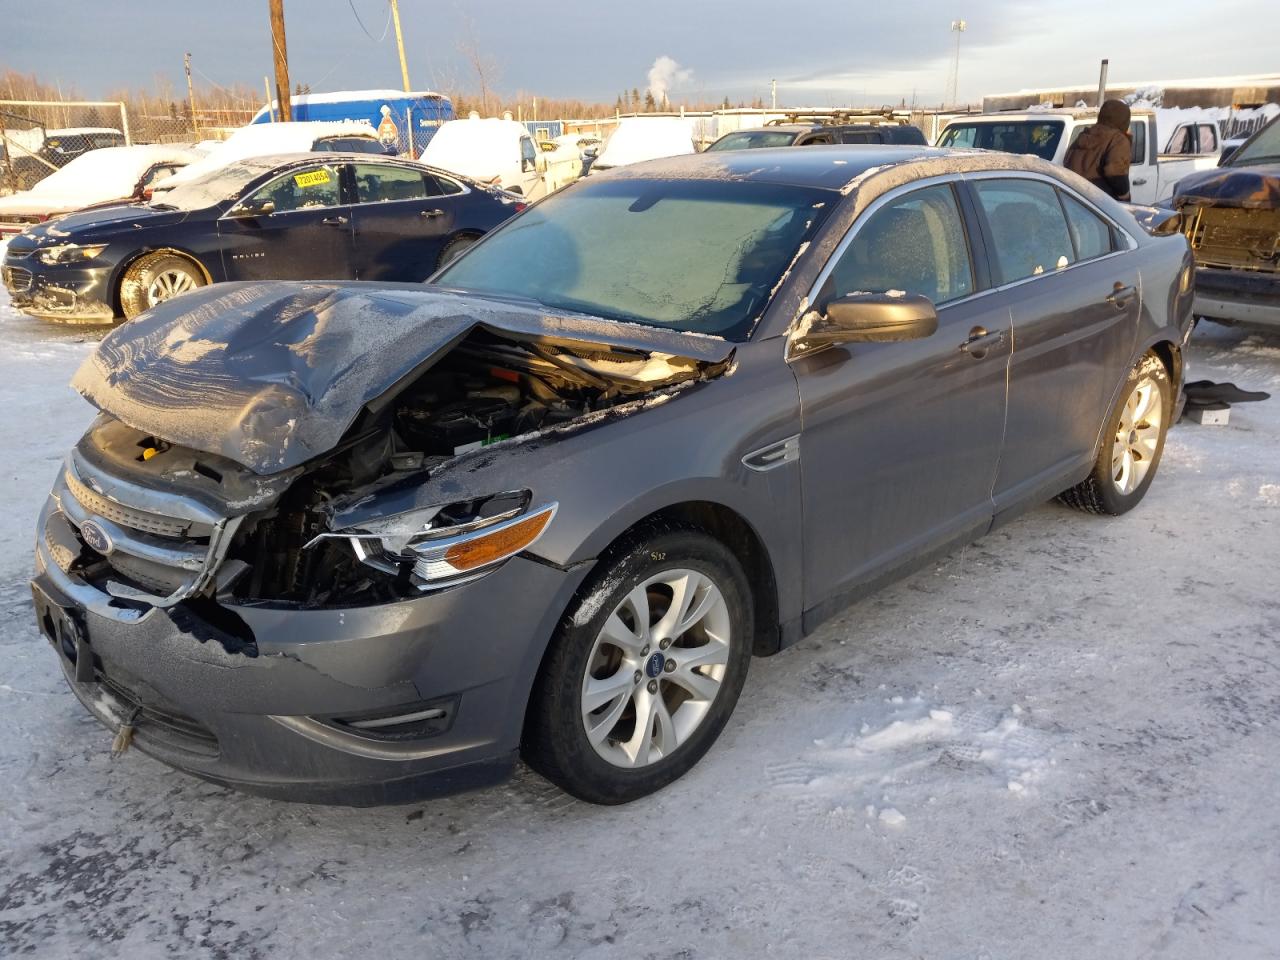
(821, 51)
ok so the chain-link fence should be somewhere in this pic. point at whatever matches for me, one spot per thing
(38, 137)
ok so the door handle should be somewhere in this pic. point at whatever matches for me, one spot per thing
(980, 341)
(1120, 295)
(334, 221)
(431, 213)
(1140, 183)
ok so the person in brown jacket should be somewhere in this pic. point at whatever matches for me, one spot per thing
(1103, 152)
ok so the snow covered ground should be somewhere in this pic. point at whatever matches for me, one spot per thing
(1061, 742)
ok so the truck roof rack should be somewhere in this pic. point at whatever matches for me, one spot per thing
(831, 118)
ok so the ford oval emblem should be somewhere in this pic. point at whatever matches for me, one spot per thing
(97, 538)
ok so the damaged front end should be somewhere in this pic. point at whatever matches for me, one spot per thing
(309, 479)
(1231, 218)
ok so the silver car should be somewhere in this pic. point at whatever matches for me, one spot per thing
(360, 543)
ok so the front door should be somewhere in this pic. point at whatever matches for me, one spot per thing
(1074, 322)
(900, 441)
(296, 227)
(402, 219)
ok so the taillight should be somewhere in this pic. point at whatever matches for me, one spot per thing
(520, 206)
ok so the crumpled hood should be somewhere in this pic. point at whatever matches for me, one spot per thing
(273, 374)
(1251, 187)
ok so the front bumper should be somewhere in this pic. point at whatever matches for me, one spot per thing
(1238, 296)
(69, 293)
(286, 722)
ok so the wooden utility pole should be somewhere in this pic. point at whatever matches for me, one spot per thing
(280, 54)
(191, 96)
(404, 64)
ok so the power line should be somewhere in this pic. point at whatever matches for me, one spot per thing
(385, 27)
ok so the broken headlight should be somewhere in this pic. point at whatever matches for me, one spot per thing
(442, 545)
(69, 253)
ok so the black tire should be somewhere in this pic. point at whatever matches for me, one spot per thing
(456, 248)
(139, 276)
(555, 737)
(1098, 493)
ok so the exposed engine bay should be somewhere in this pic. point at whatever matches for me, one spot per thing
(486, 390)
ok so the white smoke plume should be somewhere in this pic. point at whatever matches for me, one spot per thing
(663, 75)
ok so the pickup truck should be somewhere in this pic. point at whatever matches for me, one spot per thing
(1157, 165)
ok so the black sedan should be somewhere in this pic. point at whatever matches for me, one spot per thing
(298, 217)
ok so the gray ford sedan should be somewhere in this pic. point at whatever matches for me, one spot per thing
(361, 543)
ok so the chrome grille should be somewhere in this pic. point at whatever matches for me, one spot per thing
(97, 504)
(158, 559)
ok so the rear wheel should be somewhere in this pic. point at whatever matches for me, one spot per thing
(645, 669)
(456, 248)
(155, 278)
(1131, 444)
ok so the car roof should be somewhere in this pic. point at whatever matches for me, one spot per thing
(824, 167)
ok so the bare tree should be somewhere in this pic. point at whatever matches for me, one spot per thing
(482, 63)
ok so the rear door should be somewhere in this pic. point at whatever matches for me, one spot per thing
(900, 441)
(1075, 301)
(402, 218)
(306, 235)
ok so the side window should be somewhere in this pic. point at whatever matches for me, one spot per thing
(915, 244)
(1028, 227)
(862, 136)
(1208, 138)
(160, 171)
(318, 186)
(821, 139)
(381, 182)
(528, 154)
(444, 185)
(1180, 142)
(1089, 232)
(965, 136)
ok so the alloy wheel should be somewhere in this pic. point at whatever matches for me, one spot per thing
(167, 284)
(655, 668)
(1137, 435)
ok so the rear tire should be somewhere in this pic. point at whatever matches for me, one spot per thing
(1132, 443)
(155, 278)
(455, 248)
(645, 668)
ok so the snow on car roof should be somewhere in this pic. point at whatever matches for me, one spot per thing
(646, 138)
(475, 147)
(262, 139)
(97, 176)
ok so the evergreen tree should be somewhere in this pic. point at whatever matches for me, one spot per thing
(635, 98)
(725, 105)
(649, 104)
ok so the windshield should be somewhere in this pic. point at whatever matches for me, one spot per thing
(214, 187)
(1038, 137)
(1265, 148)
(753, 138)
(695, 255)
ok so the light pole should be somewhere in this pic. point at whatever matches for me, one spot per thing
(957, 27)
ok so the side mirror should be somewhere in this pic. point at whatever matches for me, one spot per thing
(253, 208)
(591, 152)
(868, 318)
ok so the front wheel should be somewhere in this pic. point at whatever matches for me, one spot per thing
(644, 670)
(155, 278)
(1131, 443)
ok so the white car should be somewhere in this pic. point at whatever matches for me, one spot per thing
(268, 139)
(500, 152)
(1047, 133)
(645, 138)
(112, 174)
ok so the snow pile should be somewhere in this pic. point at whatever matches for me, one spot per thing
(483, 149)
(646, 138)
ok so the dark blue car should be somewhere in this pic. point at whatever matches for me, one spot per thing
(299, 217)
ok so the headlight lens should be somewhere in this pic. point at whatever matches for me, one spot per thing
(69, 253)
(442, 545)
